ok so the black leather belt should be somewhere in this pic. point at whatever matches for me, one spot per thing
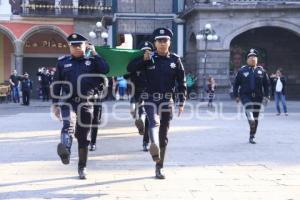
(80, 100)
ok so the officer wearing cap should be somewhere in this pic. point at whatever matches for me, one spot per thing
(252, 88)
(71, 93)
(26, 86)
(162, 69)
(138, 110)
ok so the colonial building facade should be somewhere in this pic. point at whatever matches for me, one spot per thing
(271, 26)
(33, 32)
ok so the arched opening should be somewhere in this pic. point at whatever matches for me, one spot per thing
(6, 56)
(278, 48)
(191, 54)
(41, 49)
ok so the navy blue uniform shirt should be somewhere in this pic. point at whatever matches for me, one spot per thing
(161, 73)
(26, 84)
(251, 82)
(70, 68)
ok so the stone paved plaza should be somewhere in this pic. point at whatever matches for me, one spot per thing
(208, 157)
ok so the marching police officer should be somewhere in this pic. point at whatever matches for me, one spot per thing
(77, 90)
(252, 88)
(138, 110)
(162, 69)
(97, 114)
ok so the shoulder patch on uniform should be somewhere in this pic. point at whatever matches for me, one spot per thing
(243, 66)
(61, 57)
(175, 55)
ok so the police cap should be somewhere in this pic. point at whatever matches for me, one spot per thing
(252, 52)
(147, 46)
(76, 38)
(162, 33)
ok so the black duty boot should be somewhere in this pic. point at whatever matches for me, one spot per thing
(82, 153)
(154, 146)
(64, 153)
(92, 147)
(251, 140)
(160, 165)
(145, 147)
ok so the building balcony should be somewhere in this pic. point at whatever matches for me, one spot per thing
(239, 4)
(65, 9)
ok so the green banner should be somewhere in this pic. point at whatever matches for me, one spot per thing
(117, 59)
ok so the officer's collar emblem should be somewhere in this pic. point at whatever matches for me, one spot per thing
(172, 65)
(161, 31)
(88, 63)
(246, 74)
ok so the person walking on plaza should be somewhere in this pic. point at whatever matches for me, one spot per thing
(97, 113)
(279, 86)
(137, 108)
(45, 82)
(14, 81)
(77, 107)
(252, 88)
(26, 87)
(211, 87)
(162, 69)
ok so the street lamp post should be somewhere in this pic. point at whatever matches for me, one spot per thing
(99, 32)
(206, 34)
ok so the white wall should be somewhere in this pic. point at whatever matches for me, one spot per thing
(5, 10)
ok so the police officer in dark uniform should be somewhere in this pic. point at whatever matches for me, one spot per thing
(252, 88)
(76, 91)
(162, 69)
(26, 86)
(97, 114)
(138, 110)
(45, 83)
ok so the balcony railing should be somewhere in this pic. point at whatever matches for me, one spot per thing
(192, 3)
(84, 9)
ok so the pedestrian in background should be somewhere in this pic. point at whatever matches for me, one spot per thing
(14, 81)
(26, 87)
(211, 87)
(279, 89)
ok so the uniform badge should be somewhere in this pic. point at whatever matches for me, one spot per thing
(172, 65)
(74, 36)
(67, 65)
(88, 63)
(246, 74)
(259, 72)
(161, 31)
(151, 67)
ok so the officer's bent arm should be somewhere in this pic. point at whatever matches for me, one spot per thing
(266, 85)
(181, 80)
(237, 84)
(102, 66)
(56, 87)
(138, 64)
